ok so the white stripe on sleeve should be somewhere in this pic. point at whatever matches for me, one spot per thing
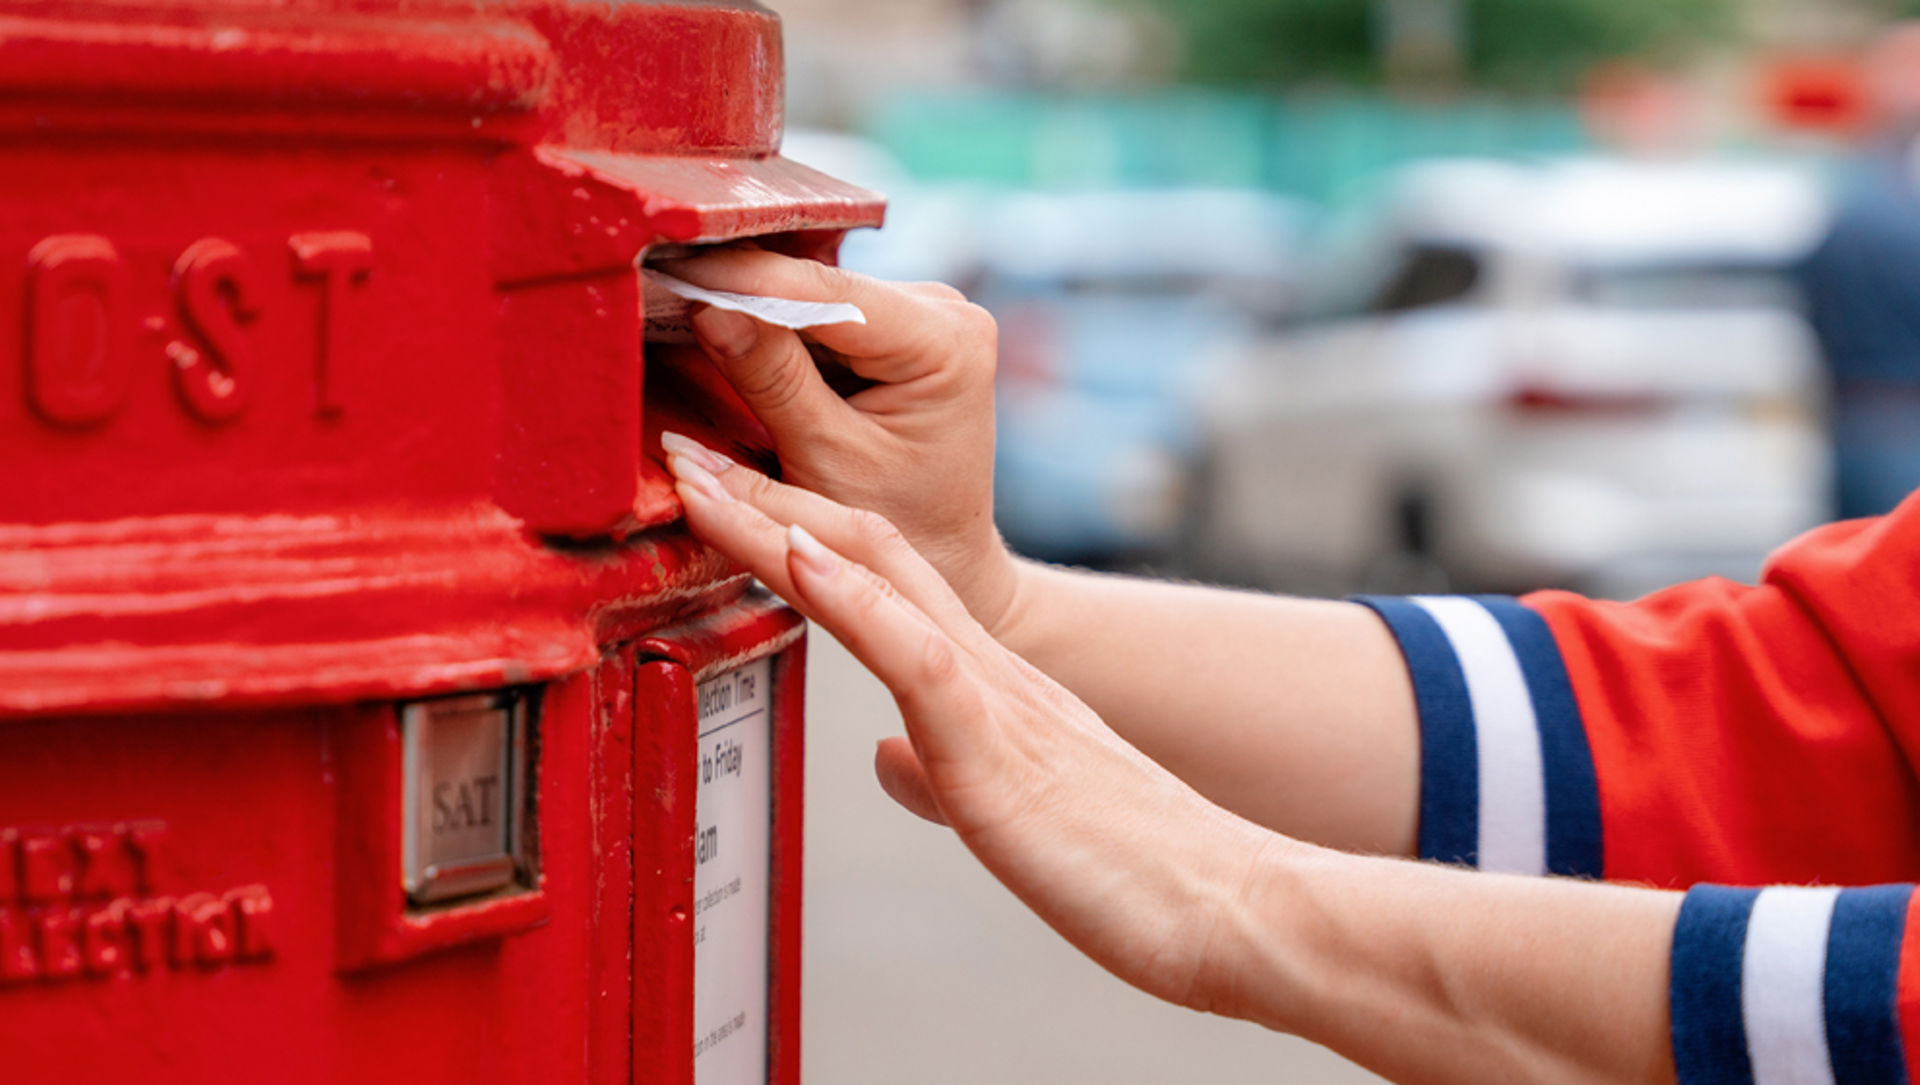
(1782, 986)
(1513, 803)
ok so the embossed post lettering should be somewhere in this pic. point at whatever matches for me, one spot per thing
(17, 961)
(147, 922)
(103, 940)
(202, 931)
(69, 910)
(46, 867)
(80, 344)
(339, 260)
(218, 292)
(59, 948)
(252, 908)
(144, 839)
(77, 350)
(105, 869)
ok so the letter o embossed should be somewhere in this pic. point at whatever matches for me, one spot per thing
(77, 349)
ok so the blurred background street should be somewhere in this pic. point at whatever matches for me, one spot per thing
(1326, 296)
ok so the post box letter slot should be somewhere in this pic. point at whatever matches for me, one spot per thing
(465, 795)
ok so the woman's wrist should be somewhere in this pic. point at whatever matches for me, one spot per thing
(1420, 971)
(1001, 594)
(1262, 963)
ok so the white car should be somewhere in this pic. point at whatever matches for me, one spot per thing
(1584, 372)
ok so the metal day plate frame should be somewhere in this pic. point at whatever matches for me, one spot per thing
(669, 667)
(380, 921)
(431, 879)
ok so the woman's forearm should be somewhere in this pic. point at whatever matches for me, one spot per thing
(1426, 973)
(1296, 714)
(1299, 715)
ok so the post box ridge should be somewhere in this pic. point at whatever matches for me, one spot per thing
(141, 614)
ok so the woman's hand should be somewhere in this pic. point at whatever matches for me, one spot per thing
(1121, 858)
(916, 446)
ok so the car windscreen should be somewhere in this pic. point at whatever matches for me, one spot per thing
(1429, 275)
(1687, 285)
(1390, 277)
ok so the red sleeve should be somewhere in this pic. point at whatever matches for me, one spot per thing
(1709, 733)
(1761, 734)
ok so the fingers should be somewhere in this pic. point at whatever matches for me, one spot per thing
(866, 537)
(734, 528)
(906, 328)
(752, 538)
(904, 779)
(928, 674)
(924, 668)
(935, 290)
(773, 373)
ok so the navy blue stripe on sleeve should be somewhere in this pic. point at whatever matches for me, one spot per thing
(1573, 795)
(1862, 977)
(1449, 756)
(1709, 942)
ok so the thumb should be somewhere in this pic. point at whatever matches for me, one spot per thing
(773, 373)
(904, 780)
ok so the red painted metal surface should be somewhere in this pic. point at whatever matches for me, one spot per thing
(323, 391)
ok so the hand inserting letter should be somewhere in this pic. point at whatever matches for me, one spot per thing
(917, 446)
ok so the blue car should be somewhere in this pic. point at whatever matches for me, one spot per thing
(1117, 311)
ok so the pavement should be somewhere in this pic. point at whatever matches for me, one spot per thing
(921, 970)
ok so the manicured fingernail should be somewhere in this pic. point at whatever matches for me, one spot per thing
(681, 445)
(726, 333)
(698, 477)
(822, 561)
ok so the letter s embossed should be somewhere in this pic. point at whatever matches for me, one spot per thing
(217, 287)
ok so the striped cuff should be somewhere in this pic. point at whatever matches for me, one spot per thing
(1506, 776)
(1790, 985)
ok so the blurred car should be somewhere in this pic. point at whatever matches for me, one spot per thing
(1583, 372)
(1115, 309)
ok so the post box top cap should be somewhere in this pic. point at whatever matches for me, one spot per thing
(643, 76)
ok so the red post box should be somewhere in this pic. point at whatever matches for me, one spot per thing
(365, 713)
